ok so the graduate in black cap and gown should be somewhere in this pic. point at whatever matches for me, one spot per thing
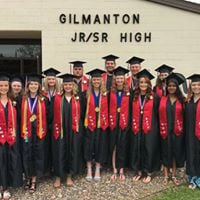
(34, 132)
(110, 64)
(163, 72)
(192, 128)
(51, 88)
(144, 137)
(119, 119)
(10, 160)
(135, 67)
(67, 130)
(171, 111)
(96, 125)
(80, 79)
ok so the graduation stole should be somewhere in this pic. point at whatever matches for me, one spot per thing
(128, 79)
(146, 112)
(197, 125)
(90, 117)
(159, 91)
(178, 123)
(58, 110)
(104, 77)
(124, 111)
(27, 119)
(8, 128)
(84, 83)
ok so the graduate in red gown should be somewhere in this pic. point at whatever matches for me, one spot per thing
(10, 159)
(163, 72)
(171, 111)
(96, 125)
(192, 128)
(34, 132)
(119, 122)
(144, 137)
(67, 119)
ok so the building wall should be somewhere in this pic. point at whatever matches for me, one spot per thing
(174, 33)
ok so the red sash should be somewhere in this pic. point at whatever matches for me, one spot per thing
(159, 91)
(197, 125)
(57, 121)
(178, 123)
(8, 128)
(104, 77)
(84, 83)
(41, 122)
(90, 118)
(147, 116)
(124, 111)
(129, 80)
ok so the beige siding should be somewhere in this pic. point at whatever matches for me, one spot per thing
(175, 33)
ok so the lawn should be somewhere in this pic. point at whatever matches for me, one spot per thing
(179, 193)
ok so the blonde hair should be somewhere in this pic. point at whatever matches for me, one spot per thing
(74, 90)
(46, 85)
(190, 94)
(102, 87)
(114, 86)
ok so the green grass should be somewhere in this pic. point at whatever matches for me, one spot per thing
(179, 193)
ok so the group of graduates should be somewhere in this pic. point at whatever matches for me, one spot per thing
(105, 118)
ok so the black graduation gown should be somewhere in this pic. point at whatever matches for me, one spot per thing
(119, 138)
(172, 148)
(145, 148)
(96, 144)
(10, 162)
(109, 82)
(35, 151)
(192, 143)
(67, 151)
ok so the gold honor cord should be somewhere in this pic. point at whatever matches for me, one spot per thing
(13, 121)
(40, 119)
(86, 115)
(98, 122)
(62, 108)
(25, 120)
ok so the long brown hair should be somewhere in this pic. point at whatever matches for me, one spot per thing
(27, 91)
(149, 89)
(114, 86)
(9, 93)
(190, 94)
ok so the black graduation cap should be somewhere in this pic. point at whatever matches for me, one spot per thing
(164, 69)
(194, 77)
(67, 77)
(120, 71)
(17, 78)
(35, 77)
(145, 73)
(110, 57)
(77, 63)
(4, 76)
(51, 72)
(175, 78)
(135, 60)
(95, 72)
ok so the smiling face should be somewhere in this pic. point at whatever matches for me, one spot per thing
(171, 88)
(51, 81)
(120, 80)
(33, 87)
(96, 82)
(4, 87)
(163, 75)
(195, 86)
(68, 87)
(143, 84)
(16, 87)
(78, 72)
(110, 65)
(135, 68)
